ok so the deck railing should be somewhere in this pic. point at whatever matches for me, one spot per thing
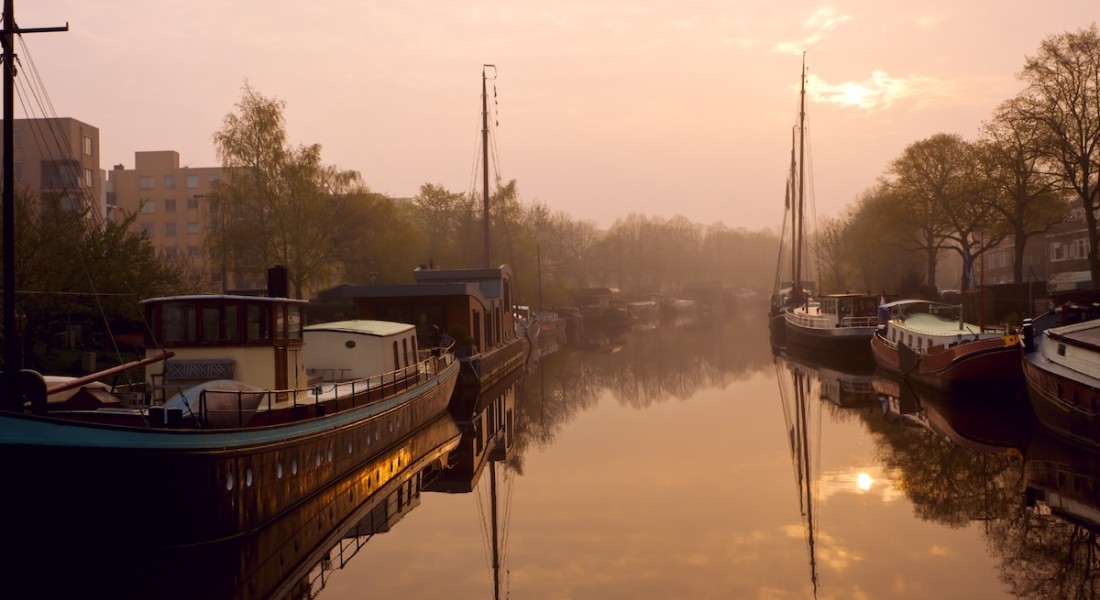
(286, 405)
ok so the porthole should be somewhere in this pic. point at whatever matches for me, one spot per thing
(349, 447)
(330, 454)
(317, 459)
(349, 344)
(228, 481)
(248, 477)
(294, 466)
(279, 471)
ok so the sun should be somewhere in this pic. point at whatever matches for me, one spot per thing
(863, 482)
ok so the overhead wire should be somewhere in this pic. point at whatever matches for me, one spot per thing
(55, 145)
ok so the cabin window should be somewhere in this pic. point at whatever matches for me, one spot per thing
(475, 318)
(258, 323)
(179, 322)
(395, 363)
(211, 324)
(405, 350)
(910, 340)
(294, 322)
(416, 352)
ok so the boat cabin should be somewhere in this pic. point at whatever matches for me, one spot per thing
(247, 338)
(346, 350)
(472, 305)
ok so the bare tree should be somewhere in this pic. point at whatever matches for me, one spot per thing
(1062, 105)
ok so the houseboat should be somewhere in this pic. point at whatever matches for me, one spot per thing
(472, 306)
(250, 413)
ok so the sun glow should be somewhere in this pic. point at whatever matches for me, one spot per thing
(863, 482)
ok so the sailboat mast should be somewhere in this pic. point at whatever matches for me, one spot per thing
(485, 166)
(11, 331)
(800, 199)
(792, 197)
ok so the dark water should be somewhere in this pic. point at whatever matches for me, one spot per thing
(689, 462)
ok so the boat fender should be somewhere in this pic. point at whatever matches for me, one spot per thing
(32, 387)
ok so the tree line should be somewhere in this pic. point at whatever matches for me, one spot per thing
(1034, 165)
(283, 206)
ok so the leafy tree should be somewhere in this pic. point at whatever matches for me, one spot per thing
(277, 199)
(72, 271)
(1061, 105)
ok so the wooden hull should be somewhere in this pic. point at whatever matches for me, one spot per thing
(964, 366)
(482, 370)
(853, 342)
(193, 485)
(1065, 401)
(269, 562)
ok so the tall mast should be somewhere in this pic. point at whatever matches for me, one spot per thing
(12, 358)
(485, 165)
(792, 197)
(799, 216)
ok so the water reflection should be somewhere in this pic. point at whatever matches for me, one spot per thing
(964, 459)
(1051, 550)
(287, 557)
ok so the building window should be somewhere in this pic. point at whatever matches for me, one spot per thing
(1057, 251)
(18, 171)
(170, 205)
(171, 252)
(145, 182)
(169, 182)
(192, 228)
(89, 179)
(17, 136)
(148, 206)
(192, 182)
(192, 203)
(170, 230)
(212, 180)
(1080, 248)
(147, 230)
(192, 251)
(60, 175)
(87, 146)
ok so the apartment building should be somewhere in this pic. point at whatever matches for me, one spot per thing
(176, 209)
(1059, 258)
(58, 158)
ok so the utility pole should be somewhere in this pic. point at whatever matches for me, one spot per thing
(12, 346)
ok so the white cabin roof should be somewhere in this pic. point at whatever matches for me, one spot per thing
(363, 327)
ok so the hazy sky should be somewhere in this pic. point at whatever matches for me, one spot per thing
(605, 107)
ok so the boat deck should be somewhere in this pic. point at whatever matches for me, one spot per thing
(929, 324)
(1084, 335)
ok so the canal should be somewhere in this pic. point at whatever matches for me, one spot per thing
(682, 461)
(688, 461)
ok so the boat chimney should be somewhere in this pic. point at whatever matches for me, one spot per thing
(277, 282)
